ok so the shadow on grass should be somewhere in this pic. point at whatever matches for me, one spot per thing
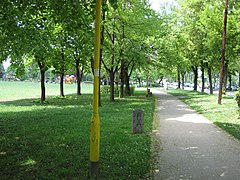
(71, 99)
(231, 128)
(52, 140)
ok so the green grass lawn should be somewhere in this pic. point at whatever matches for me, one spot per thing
(21, 90)
(224, 116)
(51, 140)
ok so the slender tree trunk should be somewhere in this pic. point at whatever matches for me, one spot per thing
(195, 71)
(203, 80)
(62, 73)
(139, 81)
(182, 74)
(223, 53)
(178, 77)
(101, 52)
(230, 81)
(225, 75)
(79, 74)
(210, 79)
(128, 90)
(42, 80)
(43, 89)
(215, 81)
(117, 82)
(122, 80)
(111, 86)
(79, 79)
(61, 84)
(122, 68)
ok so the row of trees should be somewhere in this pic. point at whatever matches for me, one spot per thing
(59, 35)
(182, 37)
(194, 40)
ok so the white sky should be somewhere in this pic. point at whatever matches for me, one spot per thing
(155, 4)
(6, 63)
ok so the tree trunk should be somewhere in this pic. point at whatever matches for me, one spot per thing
(121, 94)
(111, 74)
(210, 79)
(101, 52)
(62, 74)
(215, 81)
(203, 80)
(139, 81)
(42, 80)
(79, 79)
(178, 77)
(117, 82)
(223, 53)
(182, 74)
(61, 84)
(43, 89)
(195, 71)
(128, 91)
(230, 81)
(225, 75)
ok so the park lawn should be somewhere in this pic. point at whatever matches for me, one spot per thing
(225, 116)
(51, 140)
(22, 90)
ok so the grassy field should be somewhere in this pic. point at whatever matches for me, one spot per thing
(224, 116)
(51, 140)
(21, 90)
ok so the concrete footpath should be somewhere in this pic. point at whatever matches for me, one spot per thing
(191, 147)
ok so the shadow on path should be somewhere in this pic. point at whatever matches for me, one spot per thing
(191, 146)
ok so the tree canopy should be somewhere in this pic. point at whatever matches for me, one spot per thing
(181, 38)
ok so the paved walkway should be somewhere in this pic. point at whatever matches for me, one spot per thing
(191, 147)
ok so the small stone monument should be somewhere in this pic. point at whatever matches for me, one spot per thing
(138, 121)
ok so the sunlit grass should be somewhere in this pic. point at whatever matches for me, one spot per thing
(225, 115)
(51, 140)
(22, 90)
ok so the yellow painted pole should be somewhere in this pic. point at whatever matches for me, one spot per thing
(95, 123)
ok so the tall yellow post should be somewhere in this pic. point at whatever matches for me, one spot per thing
(95, 123)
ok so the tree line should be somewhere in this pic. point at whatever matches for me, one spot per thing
(181, 38)
(195, 43)
(59, 35)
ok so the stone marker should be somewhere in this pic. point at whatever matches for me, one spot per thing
(138, 121)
